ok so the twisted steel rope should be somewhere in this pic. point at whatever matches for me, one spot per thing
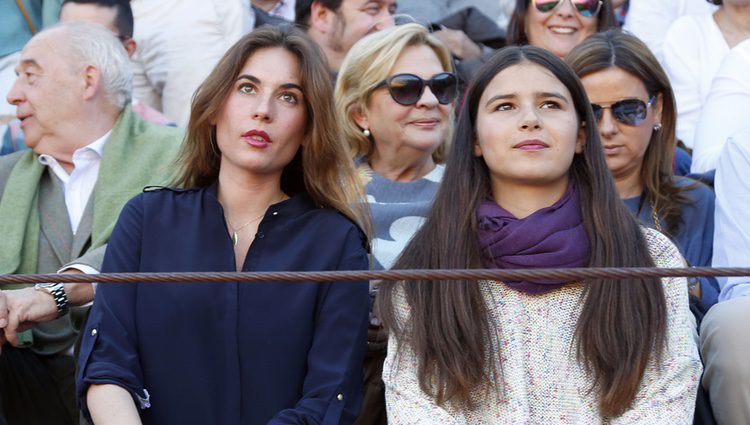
(571, 274)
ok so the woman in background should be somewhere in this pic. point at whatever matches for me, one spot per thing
(635, 113)
(394, 95)
(559, 25)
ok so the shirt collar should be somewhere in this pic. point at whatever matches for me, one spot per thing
(97, 146)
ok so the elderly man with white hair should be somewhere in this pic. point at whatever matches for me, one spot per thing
(59, 202)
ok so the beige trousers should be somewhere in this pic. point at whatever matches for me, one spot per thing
(725, 348)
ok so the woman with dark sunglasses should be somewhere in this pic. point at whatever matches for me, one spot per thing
(526, 186)
(559, 25)
(395, 94)
(635, 114)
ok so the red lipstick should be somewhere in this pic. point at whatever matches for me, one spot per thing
(257, 139)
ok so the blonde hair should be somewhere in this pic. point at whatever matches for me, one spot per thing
(368, 63)
(322, 168)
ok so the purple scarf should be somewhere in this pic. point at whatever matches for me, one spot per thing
(553, 236)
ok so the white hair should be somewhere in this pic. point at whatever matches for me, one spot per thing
(92, 44)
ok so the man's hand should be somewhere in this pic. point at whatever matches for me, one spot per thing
(25, 308)
(3, 318)
(459, 43)
(21, 309)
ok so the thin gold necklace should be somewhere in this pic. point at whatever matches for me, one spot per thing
(236, 230)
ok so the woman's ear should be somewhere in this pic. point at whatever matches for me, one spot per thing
(581, 139)
(658, 107)
(477, 148)
(360, 118)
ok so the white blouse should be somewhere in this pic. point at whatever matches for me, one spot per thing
(693, 51)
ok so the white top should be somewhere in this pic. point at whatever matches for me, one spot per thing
(732, 228)
(284, 9)
(649, 20)
(78, 185)
(542, 382)
(727, 109)
(693, 51)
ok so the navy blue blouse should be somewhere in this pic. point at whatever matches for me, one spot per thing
(230, 353)
(695, 237)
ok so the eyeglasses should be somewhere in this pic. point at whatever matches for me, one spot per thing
(587, 8)
(407, 89)
(627, 111)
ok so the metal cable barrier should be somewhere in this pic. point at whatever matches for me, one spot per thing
(571, 274)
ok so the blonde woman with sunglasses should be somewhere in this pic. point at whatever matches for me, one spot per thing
(394, 96)
(559, 25)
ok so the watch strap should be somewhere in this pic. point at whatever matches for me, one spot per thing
(57, 290)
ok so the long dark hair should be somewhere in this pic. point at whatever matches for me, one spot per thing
(517, 25)
(615, 48)
(322, 168)
(622, 321)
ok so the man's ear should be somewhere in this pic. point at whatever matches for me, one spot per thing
(130, 46)
(581, 139)
(92, 80)
(320, 17)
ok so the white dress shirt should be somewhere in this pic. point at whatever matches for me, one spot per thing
(79, 184)
(732, 227)
(649, 20)
(692, 54)
(727, 108)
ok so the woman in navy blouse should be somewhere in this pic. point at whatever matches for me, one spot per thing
(636, 117)
(270, 189)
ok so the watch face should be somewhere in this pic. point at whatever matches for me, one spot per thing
(47, 285)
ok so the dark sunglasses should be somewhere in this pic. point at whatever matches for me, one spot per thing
(626, 111)
(407, 89)
(587, 8)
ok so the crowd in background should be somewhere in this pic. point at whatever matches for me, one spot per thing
(306, 135)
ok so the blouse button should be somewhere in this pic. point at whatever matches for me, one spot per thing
(260, 235)
(93, 332)
(340, 397)
(275, 213)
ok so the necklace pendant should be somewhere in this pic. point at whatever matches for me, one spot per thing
(235, 239)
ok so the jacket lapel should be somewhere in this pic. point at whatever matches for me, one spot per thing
(53, 216)
(82, 238)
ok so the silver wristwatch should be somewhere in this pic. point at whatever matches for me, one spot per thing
(57, 290)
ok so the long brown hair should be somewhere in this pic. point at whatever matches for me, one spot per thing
(322, 168)
(517, 25)
(615, 48)
(622, 321)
